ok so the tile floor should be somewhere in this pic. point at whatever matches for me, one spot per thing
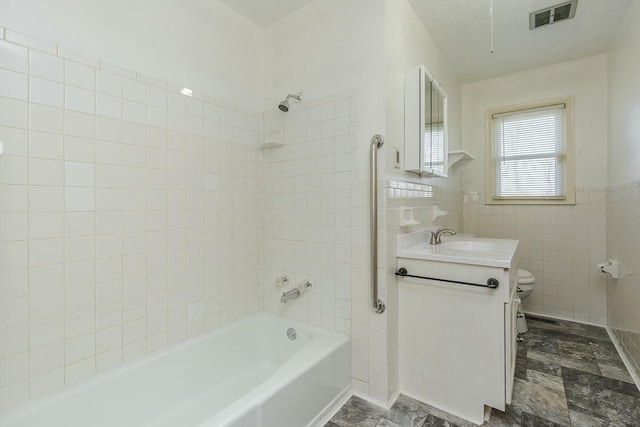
(567, 374)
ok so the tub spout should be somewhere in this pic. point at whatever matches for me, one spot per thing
(290, 294)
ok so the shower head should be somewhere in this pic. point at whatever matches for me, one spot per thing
(284, 105)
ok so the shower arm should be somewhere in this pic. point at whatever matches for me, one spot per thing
(376, 143)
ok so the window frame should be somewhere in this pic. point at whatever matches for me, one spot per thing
(569, 181)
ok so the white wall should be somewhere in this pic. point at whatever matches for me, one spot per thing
(623, 192)
(560, 244)
(197, 43)
(333, 52)
(407, 45)
(130, 214)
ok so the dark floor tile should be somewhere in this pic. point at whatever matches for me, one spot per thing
(544, 362)
(433, 421)
(546, 402)
(551, 381)
(609, 361)
(530, 420)
(358, 412)
(330, 424)
(386, 423)
(578, 356)
(540, 341)
(509, 418)
(579, 419)
(616, 402)
(412, 413)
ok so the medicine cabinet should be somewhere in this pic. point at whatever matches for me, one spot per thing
(425, 122)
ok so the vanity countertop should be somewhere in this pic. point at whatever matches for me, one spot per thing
(459, 249)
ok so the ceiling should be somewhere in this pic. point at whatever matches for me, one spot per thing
(461, 28)
(266, 12)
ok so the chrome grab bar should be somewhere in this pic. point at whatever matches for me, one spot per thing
(376, 142)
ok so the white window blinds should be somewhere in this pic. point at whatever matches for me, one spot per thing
(530, 153)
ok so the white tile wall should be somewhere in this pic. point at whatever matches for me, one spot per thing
(560, 245)
(623, 295)
(124, 227)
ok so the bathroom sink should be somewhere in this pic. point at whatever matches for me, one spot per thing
(470, 245)
(457, 249)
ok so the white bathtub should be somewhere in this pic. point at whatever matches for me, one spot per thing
(245, 374)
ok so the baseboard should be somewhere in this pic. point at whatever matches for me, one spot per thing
(549, 316)
(385, 405)
(625, 359)
(332, 408)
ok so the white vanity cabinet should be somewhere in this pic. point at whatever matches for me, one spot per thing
(457, 341)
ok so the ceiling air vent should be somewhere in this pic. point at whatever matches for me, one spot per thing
(553, 14)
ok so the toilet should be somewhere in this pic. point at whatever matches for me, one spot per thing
(526, 282)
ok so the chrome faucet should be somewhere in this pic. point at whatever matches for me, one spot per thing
(293, 293)
(435, 235)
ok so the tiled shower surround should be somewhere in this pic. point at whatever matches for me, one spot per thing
(129, 216)
(560, 245)
(623, 295)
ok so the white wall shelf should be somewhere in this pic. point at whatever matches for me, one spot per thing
(458, 156)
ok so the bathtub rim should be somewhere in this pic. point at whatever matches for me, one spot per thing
(28, 406)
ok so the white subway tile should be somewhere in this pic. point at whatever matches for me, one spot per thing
(15, 283)
(177, 102)
(108, 339)
(13, 84)
(109, 84)
(78, 57)
(45, 332)
(46, 383)
(133, 91)
(46, 66)
(154, 81)
(109, 106)
(80, 298)
(156, 97)
(13, 312)
(133, 112)
(45, 359)
(46, 145)
(79, 75)
(46, 225)
(108, 129)
(15, 141)
(80, 273)
(46, 305)
(45, 118)
(31, 42)
(46, 278)
(78, 174)
(79, 199)
(79, 348)
(13, 255)
(13, 113)
(46, 172)
(13, 57)
(77, 372)
(79, 124)
(117, 69)
(78, 99)
(109, 360)
(157, 117)
(77, 149)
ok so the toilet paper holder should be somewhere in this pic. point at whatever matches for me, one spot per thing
(611, 267)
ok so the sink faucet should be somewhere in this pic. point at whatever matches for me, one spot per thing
(435, 235)
(293, 293)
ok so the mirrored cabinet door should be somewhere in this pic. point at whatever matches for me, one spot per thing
(425, 136)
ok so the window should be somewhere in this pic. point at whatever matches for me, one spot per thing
(530, 157)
